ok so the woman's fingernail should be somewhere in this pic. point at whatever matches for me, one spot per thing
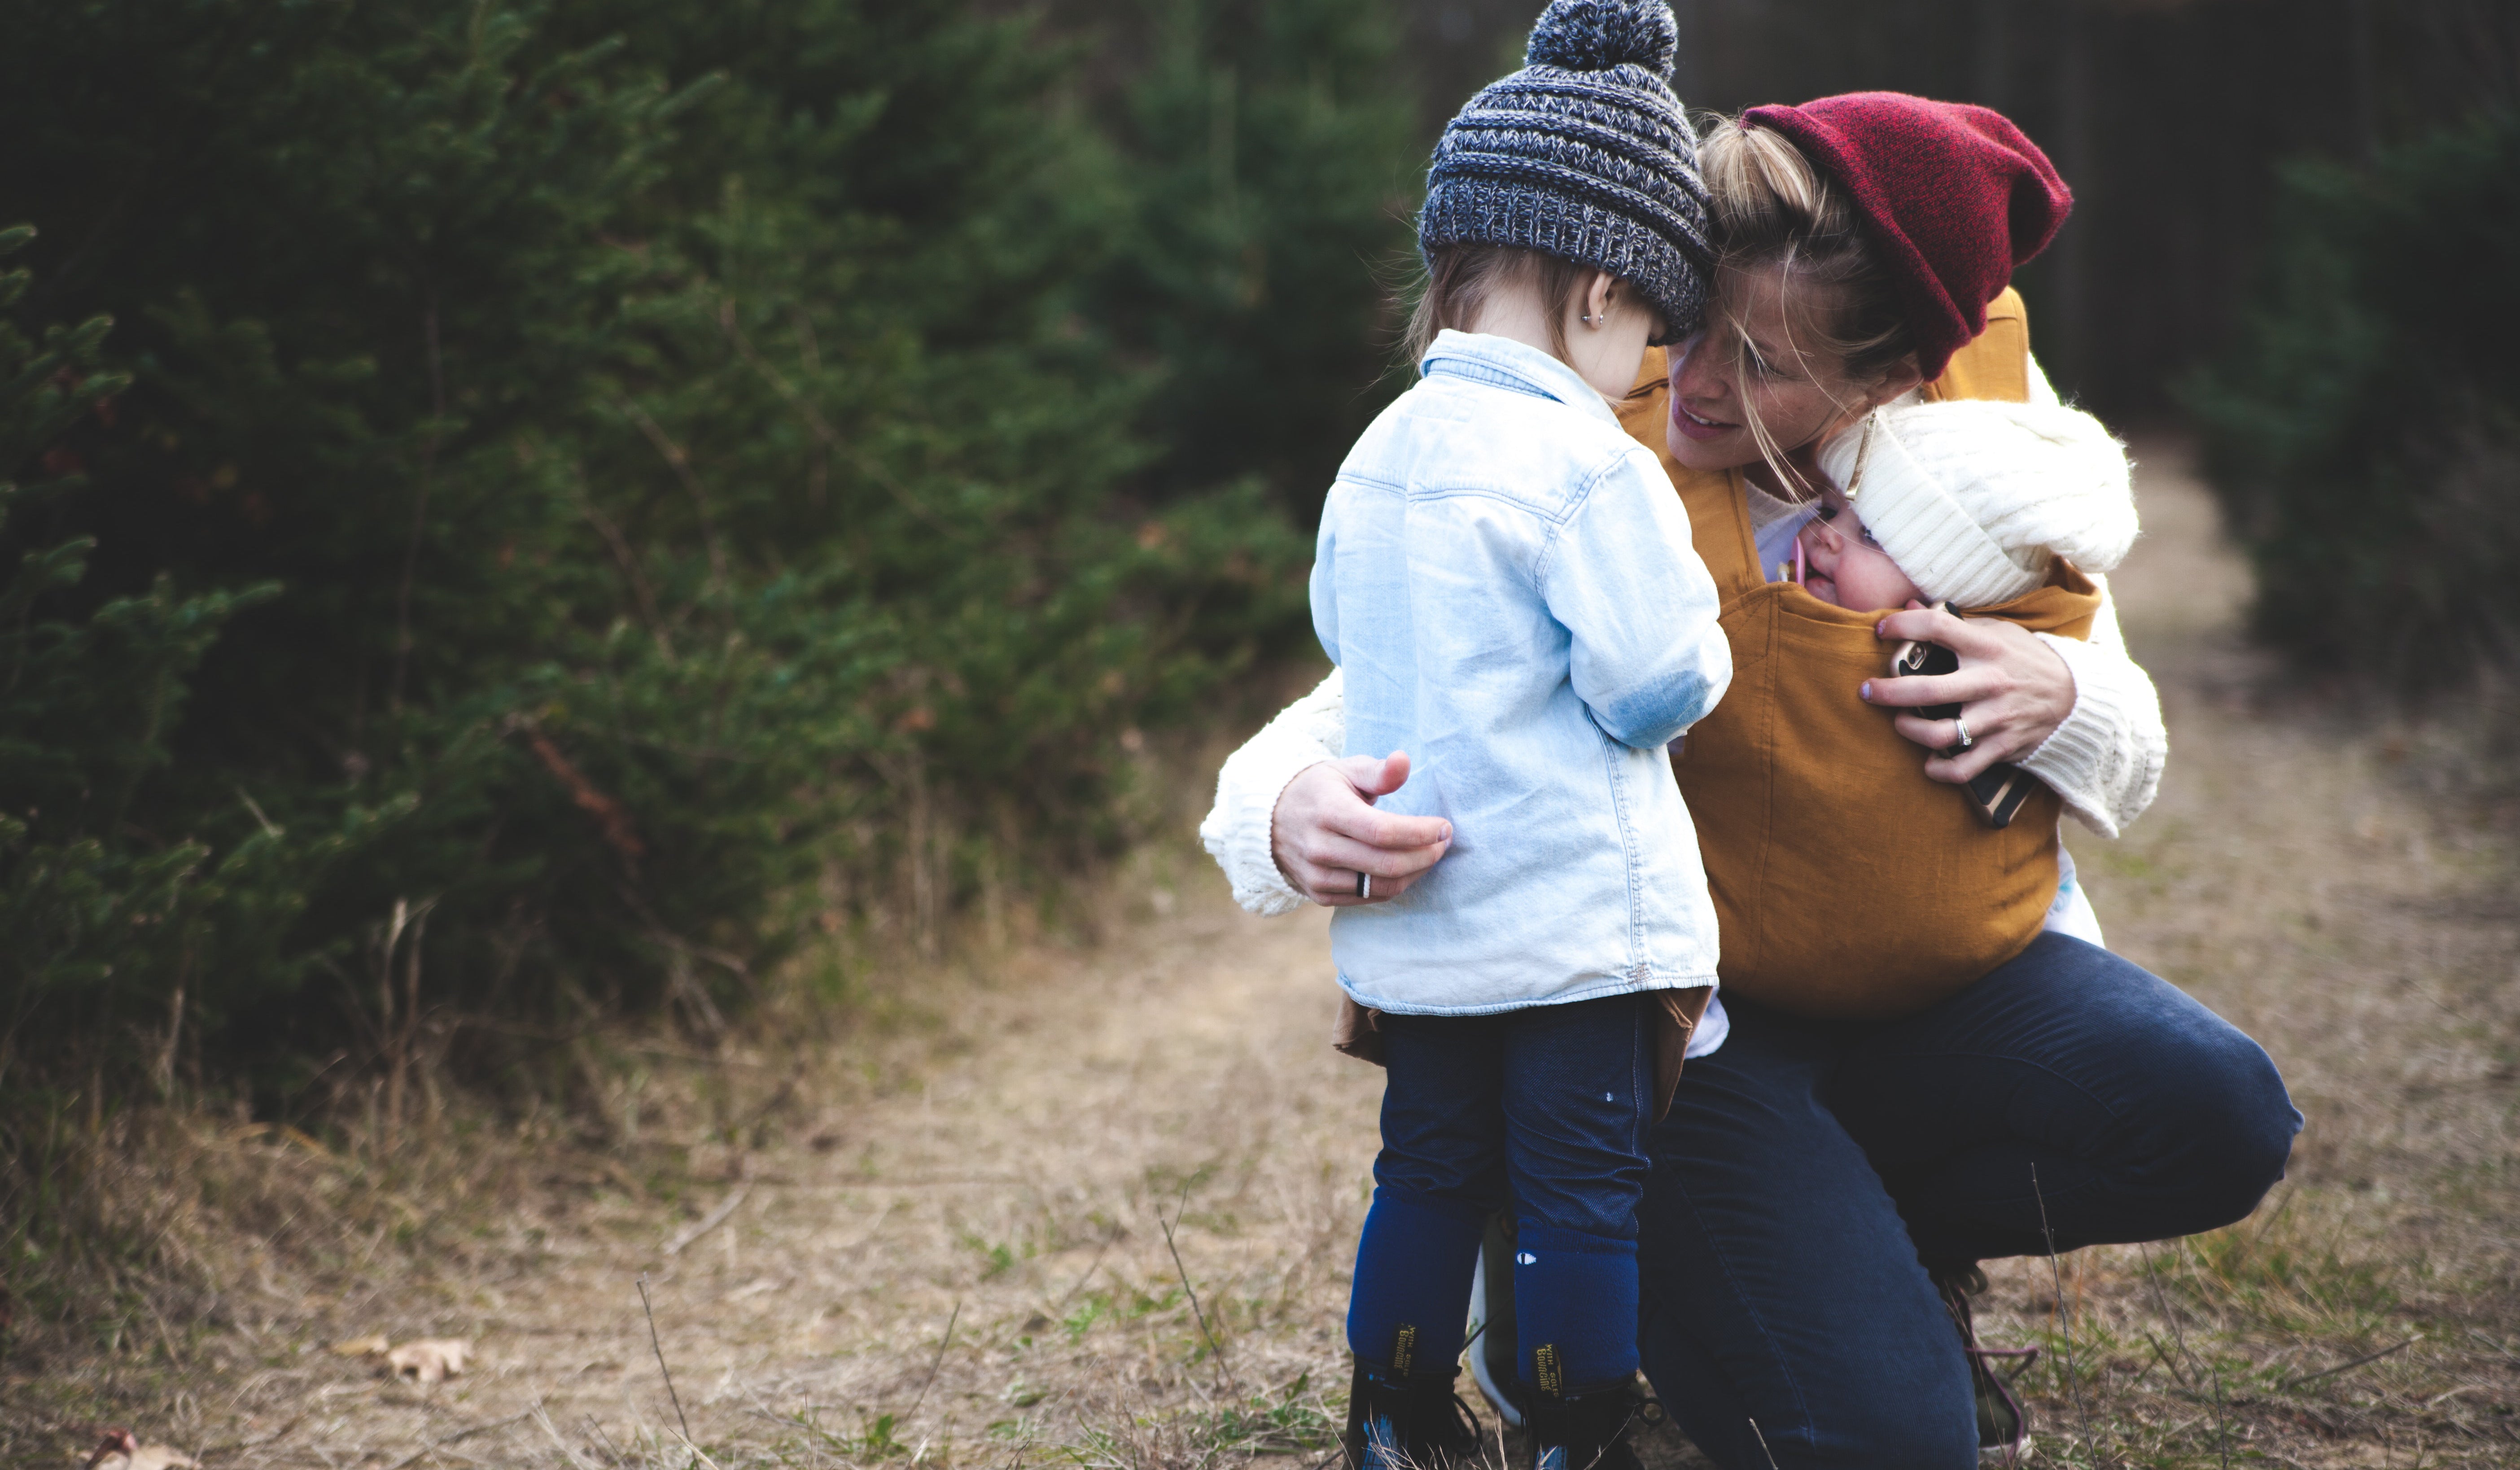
(1866, 692)
(1447, 831)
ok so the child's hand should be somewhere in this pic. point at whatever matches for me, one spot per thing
(2013, 690)
(1325, 831)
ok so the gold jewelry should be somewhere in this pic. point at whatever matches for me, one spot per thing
(1863, 456)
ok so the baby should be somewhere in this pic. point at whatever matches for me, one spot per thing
(1965, 502)
(1838, 560)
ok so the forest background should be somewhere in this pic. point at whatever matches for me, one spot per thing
(525, 517)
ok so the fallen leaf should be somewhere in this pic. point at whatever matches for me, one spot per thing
(431, 1359)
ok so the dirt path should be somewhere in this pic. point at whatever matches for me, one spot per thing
(1074, 1103)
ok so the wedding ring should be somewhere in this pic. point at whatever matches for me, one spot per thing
(1365, 885)
(1966, 739)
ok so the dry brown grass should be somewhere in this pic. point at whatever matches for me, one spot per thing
(946, 1236)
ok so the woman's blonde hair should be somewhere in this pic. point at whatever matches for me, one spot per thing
(1460, 278)
(1774, 213)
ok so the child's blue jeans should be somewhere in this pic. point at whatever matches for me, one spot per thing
(1545, 1108)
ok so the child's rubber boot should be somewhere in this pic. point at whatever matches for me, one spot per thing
(1410, 1421)
(1586, 1429)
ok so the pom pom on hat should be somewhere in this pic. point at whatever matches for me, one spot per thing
(1953, 196)
(1973, 498)
(1596, 35)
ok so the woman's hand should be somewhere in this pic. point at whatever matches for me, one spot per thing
(2013, 690)
(1325, 831)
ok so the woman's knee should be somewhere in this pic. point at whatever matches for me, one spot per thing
(2231, 1122)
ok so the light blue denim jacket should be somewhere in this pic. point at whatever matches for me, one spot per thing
(1505, 579)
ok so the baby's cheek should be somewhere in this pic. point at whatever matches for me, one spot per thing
(1883, 585)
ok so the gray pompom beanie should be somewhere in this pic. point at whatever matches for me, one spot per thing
(1585, 155)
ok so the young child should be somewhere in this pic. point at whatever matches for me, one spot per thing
(1508, 584)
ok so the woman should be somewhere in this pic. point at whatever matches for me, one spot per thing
(1823, 1190)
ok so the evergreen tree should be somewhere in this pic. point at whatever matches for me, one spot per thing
(600, 485)
(1276, 151)
(2364, 432)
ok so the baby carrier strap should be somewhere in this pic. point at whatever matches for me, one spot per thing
(1996, 366)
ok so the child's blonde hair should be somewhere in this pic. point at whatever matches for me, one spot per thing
(1461, 279)
(1773, 212)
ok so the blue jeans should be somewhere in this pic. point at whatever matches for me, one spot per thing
(1810, 1175)
(1544, 1107)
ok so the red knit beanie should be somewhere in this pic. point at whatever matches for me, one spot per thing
(1955, 197)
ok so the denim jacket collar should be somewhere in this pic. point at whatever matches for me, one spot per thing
(1506, 363)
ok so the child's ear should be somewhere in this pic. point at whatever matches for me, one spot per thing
(1598, 294)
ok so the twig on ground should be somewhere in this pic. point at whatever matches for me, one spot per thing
(442, 1440)
(937, 1361)
(610, 1447)
(2161, 1301)
(2222, 1419)
(2161, 1354)
(2222, 1410)
(1105, 1250)
(658, 1342)
(2064, 1319)
(714, 1217)
(2272, 1216)
(2499, 1347)
(2294, 1383)
(1224, 1371)
(567, 1452)
(1763, 1445)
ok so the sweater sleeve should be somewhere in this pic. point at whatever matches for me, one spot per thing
(2106, 759)
(1237, 832)
(2042, 393)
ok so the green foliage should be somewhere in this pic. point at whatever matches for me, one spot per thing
(2364, 434)
(1279, 166)
(577, 493)
(91, 921)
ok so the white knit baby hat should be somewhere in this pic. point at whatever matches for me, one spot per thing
(1972, 499)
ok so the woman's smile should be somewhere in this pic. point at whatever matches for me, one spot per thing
(1696, 426)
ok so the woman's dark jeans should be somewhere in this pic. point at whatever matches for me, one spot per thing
(1810, 1172)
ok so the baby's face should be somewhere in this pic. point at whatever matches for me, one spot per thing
(1845, 566)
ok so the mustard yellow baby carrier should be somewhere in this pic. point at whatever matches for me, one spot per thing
(1846, 883)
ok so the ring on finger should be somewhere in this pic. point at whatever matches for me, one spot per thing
(1965, 739)
(1365, 885)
